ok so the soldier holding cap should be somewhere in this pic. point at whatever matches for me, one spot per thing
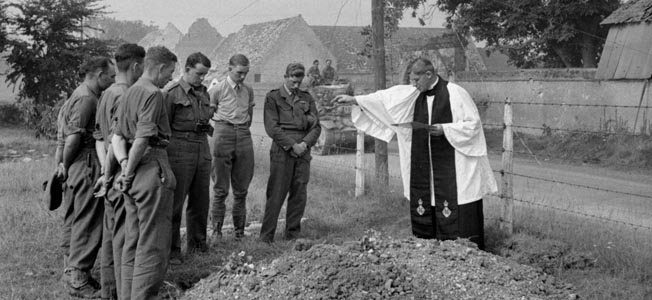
(78, 167)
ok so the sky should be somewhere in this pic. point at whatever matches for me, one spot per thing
(228, 16)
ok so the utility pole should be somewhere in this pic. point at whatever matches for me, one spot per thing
(378, 55)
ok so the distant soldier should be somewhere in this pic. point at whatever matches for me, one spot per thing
(292, 121)
(129, 63)
(188, 109)
(233, 151)
(328, 74)
(314, 77)
(78, 165)
(141, 134)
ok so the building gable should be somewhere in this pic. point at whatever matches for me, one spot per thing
(168, 37)
(201, 37)
(634, 11)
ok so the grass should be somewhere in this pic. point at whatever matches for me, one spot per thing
(602, 260)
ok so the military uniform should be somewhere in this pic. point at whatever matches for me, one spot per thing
(328, 75)
(189, 112)
(289, 119)
(114, 213)
(148, 203)
(233, 152)
(82, 230)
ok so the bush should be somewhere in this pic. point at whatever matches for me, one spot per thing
(10, 114)
(40, 117)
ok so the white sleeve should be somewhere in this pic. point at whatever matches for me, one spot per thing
(378, 110)
(465, 133)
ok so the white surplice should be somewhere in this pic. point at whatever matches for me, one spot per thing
(376, 112)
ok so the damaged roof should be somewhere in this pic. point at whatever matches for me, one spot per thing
(634, 11)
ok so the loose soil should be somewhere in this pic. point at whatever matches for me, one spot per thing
(380, 267)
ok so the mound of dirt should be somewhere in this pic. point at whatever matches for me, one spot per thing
(379, 267)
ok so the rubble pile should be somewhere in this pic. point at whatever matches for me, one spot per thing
(379, 267)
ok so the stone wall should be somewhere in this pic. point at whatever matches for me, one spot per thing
(561, 98)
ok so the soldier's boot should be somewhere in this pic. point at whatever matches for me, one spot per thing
(65, 278)
(239, 226)
(81, 285)
(217, 230)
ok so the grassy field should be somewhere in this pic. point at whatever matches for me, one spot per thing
(601, 261)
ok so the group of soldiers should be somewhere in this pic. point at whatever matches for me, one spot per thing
(325, 77)
(133, 147)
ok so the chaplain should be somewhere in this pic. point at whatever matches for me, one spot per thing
(442, 150)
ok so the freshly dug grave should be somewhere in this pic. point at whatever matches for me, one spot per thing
(378, 267)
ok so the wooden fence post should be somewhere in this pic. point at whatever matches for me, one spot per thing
(507, 195)
(359, 164)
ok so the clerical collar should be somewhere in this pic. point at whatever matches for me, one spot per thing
(434, 84)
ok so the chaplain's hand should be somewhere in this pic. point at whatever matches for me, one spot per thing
(436, 130)
(299, 148)
(344, 99)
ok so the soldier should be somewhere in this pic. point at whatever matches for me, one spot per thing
(141, 134)
(314, 77)
(78, 166)
(188, 110)
(328, 74)
(129, 64)
(233, 152)
(292, 121)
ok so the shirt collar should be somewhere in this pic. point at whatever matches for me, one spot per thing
(185, 85)
(286, 92)
(93, 91)
(231, 82)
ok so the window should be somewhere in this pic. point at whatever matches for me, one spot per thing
(256, 77)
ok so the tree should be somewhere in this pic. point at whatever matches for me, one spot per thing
(393, 14)
(119, 30)
(535, 33)
(47, 46)
(3, 28)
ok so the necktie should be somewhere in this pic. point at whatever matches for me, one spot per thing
(237, 88)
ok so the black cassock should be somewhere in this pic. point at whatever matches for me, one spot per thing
(446, 220)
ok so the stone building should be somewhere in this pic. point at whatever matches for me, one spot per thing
(270, 47)
(168, 37)
(201, 37)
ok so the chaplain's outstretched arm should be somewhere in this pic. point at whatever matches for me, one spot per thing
(345, 99)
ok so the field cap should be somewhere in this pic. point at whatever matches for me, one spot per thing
(53, 192)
